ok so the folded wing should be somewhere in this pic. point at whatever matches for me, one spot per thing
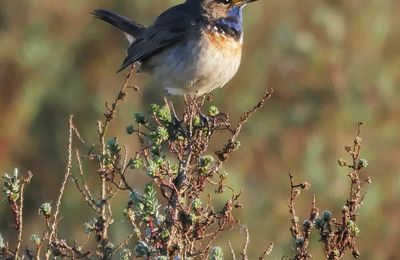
(166, 31)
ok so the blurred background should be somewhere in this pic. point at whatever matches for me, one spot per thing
(331, 64)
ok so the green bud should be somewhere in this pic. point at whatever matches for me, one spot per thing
(164, 113)
(112, 146)
(45, 209)
(36, 240)
(142, 249)
(164, 234)
(319, 223)
(341, 162)
(237, 144)
(152, 168)
(162, 133)
(216, 254)
(135, 197)
(335, 253)
(135, 163)
(12, 185)
(150, 190)
(110, 246)
(150, 201)
(154, 108)
(90, 226)
(206, 160)
(140, 118)
(159, 136)
(182, 201)
(130, 129)
(213, 111)
(326, 215)
(353, 227)
(205, 163)
(307, 224)
(362, 163)
(192, 217)
(160, 161)
(224, 175)
(125, 254)
(197, 203)
(196, 121)
(174, 168)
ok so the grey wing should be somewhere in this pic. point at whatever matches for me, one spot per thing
(171, 27)
(151, 43)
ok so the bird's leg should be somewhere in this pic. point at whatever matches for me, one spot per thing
(176, 120)
(199, 105)
(169, 104)
(188, 99)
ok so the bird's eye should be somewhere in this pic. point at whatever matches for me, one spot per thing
(225, 2)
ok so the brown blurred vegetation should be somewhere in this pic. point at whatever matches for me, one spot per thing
(331, 63)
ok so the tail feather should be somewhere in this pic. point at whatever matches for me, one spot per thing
(124, 24)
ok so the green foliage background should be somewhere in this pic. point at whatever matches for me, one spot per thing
(331, 63)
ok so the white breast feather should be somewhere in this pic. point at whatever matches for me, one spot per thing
(196, 67)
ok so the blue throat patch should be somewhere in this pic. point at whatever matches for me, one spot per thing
(233, 23)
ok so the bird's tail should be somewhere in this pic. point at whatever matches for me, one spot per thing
(129, 27)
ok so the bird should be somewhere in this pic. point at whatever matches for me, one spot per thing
(191, 49)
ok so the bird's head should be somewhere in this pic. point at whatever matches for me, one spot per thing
(217, 9)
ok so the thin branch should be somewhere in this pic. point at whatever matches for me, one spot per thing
(223, 155)
(21, 208)
(232, 251)
(62, 189)
(246, 244)
(102, 129)
(126, 240)
(267, 251)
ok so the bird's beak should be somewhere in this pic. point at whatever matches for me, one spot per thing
(242, 2)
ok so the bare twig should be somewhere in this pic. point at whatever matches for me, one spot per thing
(230, 146)
(61, 193)
(246, 244)
(126, 240)
(26, 181)
(102, 129)
(338, 236)
(267, 251)
(232, 251)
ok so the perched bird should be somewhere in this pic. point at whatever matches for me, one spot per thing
(192, 48)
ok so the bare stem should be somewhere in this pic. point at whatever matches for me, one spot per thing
(62, 189)
(267, 251)
(246, 244)
(20, 210)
